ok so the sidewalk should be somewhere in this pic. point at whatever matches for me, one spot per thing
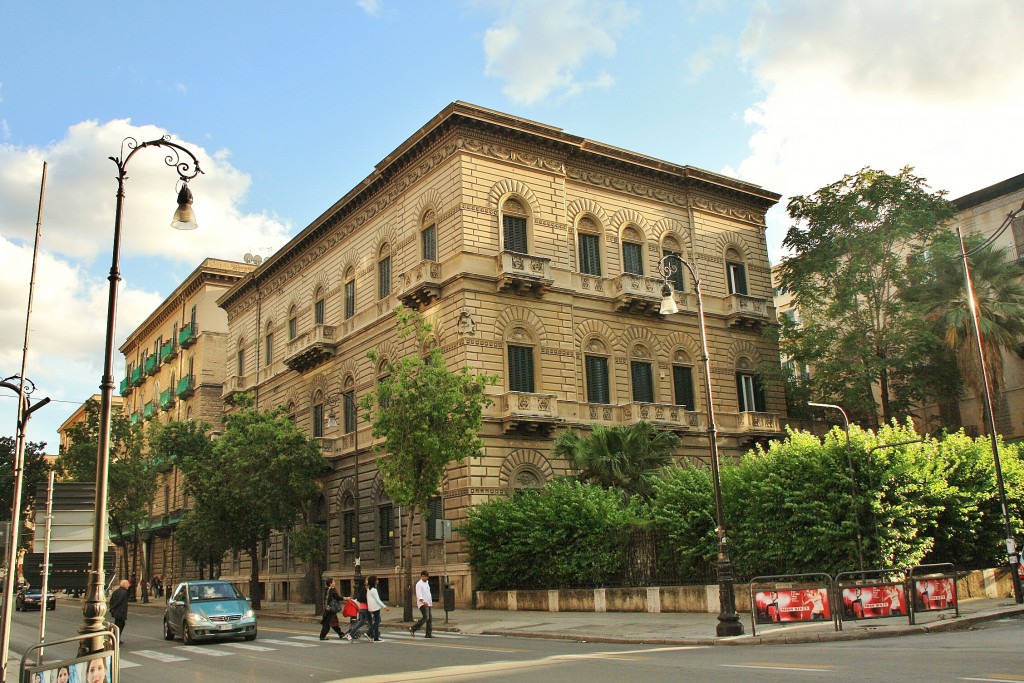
(663, 628)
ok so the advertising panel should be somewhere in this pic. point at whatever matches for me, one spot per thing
(933, 594)
(874, 602)
(795, 604)
(96, 669)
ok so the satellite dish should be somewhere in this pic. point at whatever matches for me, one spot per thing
(247, 258)
(257, 259)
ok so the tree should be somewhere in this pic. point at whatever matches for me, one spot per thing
(254, 480)
(624, 457)
(852, 243)
(36, 471)
(427, 416)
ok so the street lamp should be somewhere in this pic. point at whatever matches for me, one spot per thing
(853, 481)
(728, 621)
(332, 422)
(94, 607)
(1011, 548)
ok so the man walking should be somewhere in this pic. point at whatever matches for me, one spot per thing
(118, 606)
(424, 602)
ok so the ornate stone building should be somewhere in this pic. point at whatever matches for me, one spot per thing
(534, 254)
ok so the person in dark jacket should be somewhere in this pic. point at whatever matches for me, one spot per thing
(118, 606)
(332, 605)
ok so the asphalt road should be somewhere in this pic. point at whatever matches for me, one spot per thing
(289, 651)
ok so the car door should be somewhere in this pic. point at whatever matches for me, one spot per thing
(176, 608)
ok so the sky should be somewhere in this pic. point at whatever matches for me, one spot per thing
(289, 105)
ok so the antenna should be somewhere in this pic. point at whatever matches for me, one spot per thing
(252, 259)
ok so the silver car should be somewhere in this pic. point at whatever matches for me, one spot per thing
(204, 610)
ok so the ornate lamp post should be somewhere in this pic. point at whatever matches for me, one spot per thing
(728, 621)
(94, 607)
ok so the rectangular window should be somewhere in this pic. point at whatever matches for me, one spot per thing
(386, 526)
(429, 237)
(515, 234)
(318, 420)
(434, 513)
(348, 524)
(241, 363)
(349, 400)
(520, 368)
(590, 254)
(318, 312)
(737, 278)
(632, 258)
(268, 345)
(293, 328)
(682, 384)
(350, 299)
(384, 277)
(597, 380)
(643, 382)
(677, 280)
(751, 393)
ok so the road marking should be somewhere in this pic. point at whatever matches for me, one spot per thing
(125, 664)
(208, 651)
(288, 643)
(315, 639)
(247, 646)
(159, 656)
(778, 667)
(1003, 678)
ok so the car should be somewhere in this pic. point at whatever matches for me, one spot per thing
(31, 598)
(208, 610)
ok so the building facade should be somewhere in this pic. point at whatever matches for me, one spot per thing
(534, 254)
(174, 371)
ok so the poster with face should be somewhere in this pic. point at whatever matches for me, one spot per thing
(795, 604)
(874, 602)
(933, 594)
(95, 670)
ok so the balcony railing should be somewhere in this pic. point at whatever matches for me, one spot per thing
(186, 386)
(135, 418)
(126, 386)
(137, 377)
(237, 385)
(166, 399)
(746, 311)
(168, 351)
(523, 412)
(152, 364)
(524, 274)
(311, 348)
(637, 294)
(187, 336)
(661, 414)
(149, 410)
(759, 423)
(420, 285)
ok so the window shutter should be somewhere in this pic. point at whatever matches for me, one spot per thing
(737, 278)
(632, 258)
(386, 525)
(384, 277)
(430, 243)
(760, 405)
(318, 420)
(597, 380)
(433, 514)
(350, 411)
(676, 279)
(349, 524)
(318, 311)
(682, 379)
(590, 255)
(643, 382)
(515, 234)
(350, 299)
(520, 366)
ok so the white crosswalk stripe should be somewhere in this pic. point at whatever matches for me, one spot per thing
(247, 646)
(125, 664)
(208, 651)
(314, 639)
(159, 656)
(285, 642)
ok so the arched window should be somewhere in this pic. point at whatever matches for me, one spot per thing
(428, 236)
(748, 388)
(514, 225)
(268, 344)
(293, 323)
(350, 409)
(319, 306)
(240, 359)
(318, 414)
(632, 252)
(670, 246)
(520, 360)
(350, 293)
(595, 358)
(348, 522)
(384, 271)
(589, 237)
(641, 374)
(735, 272)
(682, 381)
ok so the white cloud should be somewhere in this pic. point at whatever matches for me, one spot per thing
(539, 47)
(933, 84)
(371, 7)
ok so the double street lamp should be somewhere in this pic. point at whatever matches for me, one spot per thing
(728, 620)
(94, 607)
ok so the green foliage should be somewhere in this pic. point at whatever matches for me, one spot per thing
(308, 542)
(35, 472)
(624, 457)
(167, 441)
(565, 535)
(200, 539)
(683, 510)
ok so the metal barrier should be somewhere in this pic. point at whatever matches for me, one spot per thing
(791, 598)
(933, 589)
(107, 662)
(871, 594)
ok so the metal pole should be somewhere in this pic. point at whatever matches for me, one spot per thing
(94, 606)
(1011, 550)
(728, 620)
(853, 481)
(45, 589)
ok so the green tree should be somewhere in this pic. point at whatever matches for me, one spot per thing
(255, 480)
(623, 457)
(426, 416)
(36, 472)
(851, 243)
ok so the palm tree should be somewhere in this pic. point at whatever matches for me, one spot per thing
(999, 292)
(625, 457)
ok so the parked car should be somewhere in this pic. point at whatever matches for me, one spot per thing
(32, 598)
(205, 610)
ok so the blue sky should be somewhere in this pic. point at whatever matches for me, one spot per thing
(290, 105)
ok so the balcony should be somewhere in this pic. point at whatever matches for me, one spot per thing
(168, 351)
(664, 415)
(149, 410)
(420, 285)
(524, 274)
(238, 384)
(137, 377)
(166, 399)
(311, 348)
(526, 413)
(187, 336)
(135, 418)
(186, 386)
(152, 364)
(746, 311)
(126, 386)
(759, 424)
(637, 294)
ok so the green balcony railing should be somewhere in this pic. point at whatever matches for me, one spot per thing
(152, 364)
(168, 350)
(149, 410)
(166, 399)
(186, 386)
(187, 336)
(137, 377)
(126, 387)
(135, 418)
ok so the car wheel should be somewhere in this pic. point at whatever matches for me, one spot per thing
(168, 633)
(18, 607)
(186, 635)
(51, 607)
(251, 636)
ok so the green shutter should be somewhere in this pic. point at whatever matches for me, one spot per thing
(350, 299)
(590, 254)
(349, 525)
(643, 382)
(386, 524)
(384, 277)
(515, 234)
(632, 258)
(434, 513)
(597, 380)
(676, 279)
(520, 367)
(682, 379)
(430, 243)
(350, 412)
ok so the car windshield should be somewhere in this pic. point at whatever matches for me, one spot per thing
(213, 591)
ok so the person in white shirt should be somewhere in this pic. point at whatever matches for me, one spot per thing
(374, 604)
(424, 602)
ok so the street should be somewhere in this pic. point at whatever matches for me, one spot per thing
(291, 651)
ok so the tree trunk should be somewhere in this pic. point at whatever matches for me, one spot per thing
(145, 569)
(407, 561)
(254, 575)
(315, 584)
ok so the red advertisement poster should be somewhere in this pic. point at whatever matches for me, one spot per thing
(798, 604)
(874, 602)
(933, 594)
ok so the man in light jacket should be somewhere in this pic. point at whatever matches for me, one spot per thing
(424, 602)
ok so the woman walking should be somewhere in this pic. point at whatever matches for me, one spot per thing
(364, 615)
(374, 604)
(332, 605)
